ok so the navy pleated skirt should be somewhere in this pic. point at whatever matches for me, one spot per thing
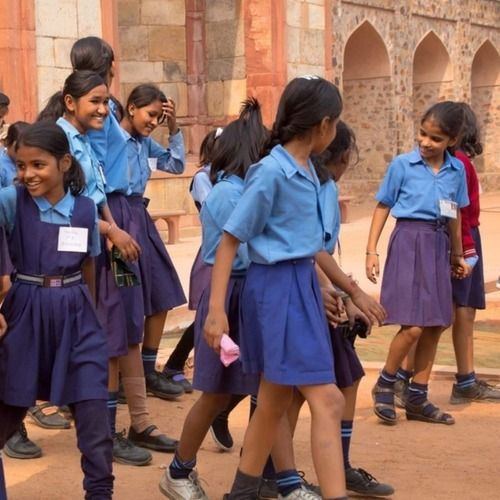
(469, 292)
(348, 367)
(199, 279)
(5, 263)
(416, 287)
(210, 375)
(284, 333)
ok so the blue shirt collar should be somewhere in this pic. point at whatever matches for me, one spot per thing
(415, 157)
(64, 206)
(290, 165)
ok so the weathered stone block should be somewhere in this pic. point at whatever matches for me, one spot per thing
(225, 39)
(316, 17)
(134, 43)
(50, 80)
(89, 18)
(235, 92)
(293, 44)
(164, 12)
(45, 51)
(129, 12)
(140, 72)
(167, 43)
(215, 98)
(174, 71)
(62, 49)
(65, 11)
(294, 13)
(222, 10)
(226, 69)
(312, 47)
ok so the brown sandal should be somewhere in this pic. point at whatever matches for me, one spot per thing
(380, 406)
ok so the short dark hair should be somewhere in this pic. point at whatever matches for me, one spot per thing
(51, 138)
(15, 130)
(241, 143)
(4, 99)
(470, 141)
(144, 95)
(304, 103)
(94, 54)
(449, 117)
(207, 148)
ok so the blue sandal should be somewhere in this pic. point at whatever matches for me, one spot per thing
(427, 412)
(383, 399)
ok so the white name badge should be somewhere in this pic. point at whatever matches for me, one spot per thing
(153, 164)
(448, 209)
(73, 239)
(101, 173)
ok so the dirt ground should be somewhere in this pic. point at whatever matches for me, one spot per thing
(422, 461)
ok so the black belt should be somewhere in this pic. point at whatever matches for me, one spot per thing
(59, 281)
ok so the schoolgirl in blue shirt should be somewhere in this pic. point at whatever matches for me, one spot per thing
(146, 108)
(423, 190)
(121, 309)
(284, 334)
(54, 348)
(238, 147)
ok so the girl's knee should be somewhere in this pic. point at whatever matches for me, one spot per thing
(411, 333)
(216, 402)
(326, 400)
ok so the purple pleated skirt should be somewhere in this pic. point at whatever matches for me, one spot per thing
(161, 287)
(198, 280)
(120, 309)
(5, 262)
(348, 368)
(210, 375)
(284, 333)
(469, 292)
(416, 287)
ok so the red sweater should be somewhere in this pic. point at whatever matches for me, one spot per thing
(470, 214)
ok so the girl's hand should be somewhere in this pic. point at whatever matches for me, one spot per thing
(128, 247)
(215, 326)
(369, 307)
(3, 326)
(170, 115)
(354, 313)
(334, 307)
(372, 267)
(460, 268)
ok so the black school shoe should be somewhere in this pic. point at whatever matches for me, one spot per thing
(158, 385)
(126, 452)
(157, 443)
(362, 482)
(220, 433)
(20, 445)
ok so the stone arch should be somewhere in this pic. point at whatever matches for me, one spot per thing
(368, 105)
(485, 100)
(432, 74)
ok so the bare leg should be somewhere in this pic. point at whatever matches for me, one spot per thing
(400, 347)
(153, 329)
(326, 404)
(113, 375)
(350, 393)
(463, 339)
(294, 410)
(426, 353)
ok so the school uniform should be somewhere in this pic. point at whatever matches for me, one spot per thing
(54, 349)
(120, 309)
(416, 286)
(8, 173)
(199, 277)
(470, 292)
(210, 375)
(348, 367)
(284, 331)
(161, 287)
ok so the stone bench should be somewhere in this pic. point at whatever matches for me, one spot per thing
(344, 208)
(172, 218)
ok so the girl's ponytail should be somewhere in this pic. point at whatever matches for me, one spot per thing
(54, 108)
(74, 178)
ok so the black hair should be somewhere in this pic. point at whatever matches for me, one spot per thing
(144, 95)
(241, 143)
(207, 148)
(51, 138)
(14, 132)
(345, 140)
(4, 99)
(78, 84)
(470, 141)
(449, 117)
(304, 103)
(119, 111)
(93, 54)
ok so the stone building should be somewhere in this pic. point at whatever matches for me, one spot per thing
(391, 58)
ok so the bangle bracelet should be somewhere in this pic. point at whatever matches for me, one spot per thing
(372, 253)
(111, 225)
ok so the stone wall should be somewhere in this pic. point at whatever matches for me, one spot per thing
(58, 24)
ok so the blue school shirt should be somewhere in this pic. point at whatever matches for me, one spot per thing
(215, 212)
(8, 170)
(110, 148)
(279, 214)
(412, 190)
(80, 148)
(140, 149)
(60, 214)
(329, 201)
(201, 185)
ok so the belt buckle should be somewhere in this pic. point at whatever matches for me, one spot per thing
(52, 281)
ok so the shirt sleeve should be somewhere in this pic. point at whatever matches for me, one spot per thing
(254, 208)
(462, 196)
(170, 159)
(468, 244)
(95, 238)
(388, 192)
(201, 187)
(8, 200)
(99, 141)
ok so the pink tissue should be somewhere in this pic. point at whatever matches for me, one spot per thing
(229, 351)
